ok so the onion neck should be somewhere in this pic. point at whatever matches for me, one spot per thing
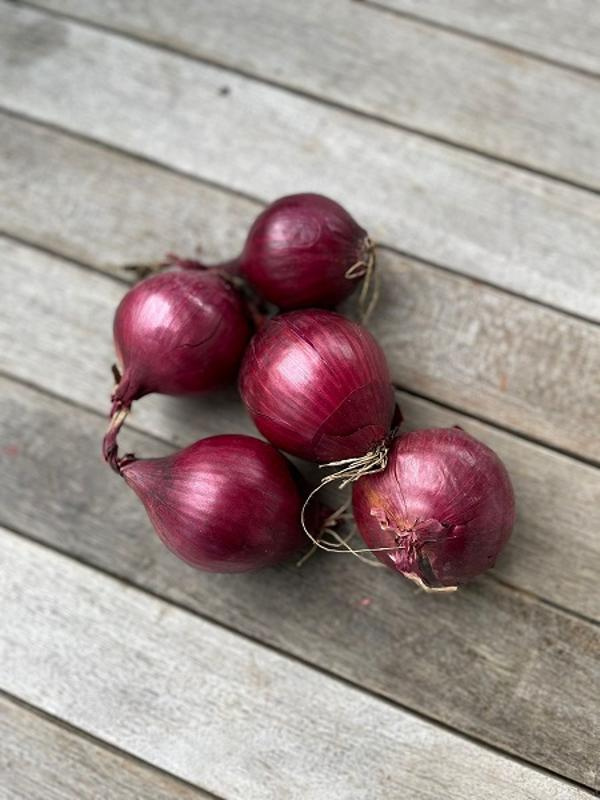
(227, 269)
(110, 448)
(122, 397)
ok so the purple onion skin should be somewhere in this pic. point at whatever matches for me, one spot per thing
(445, 498)
(299, 249)
(178, 332)
(227, 503)
(318, 386)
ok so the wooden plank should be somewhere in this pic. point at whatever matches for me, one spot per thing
(217, 710)
(398, 69)
(488, 661)
(476, 216)
(464, 344)
(41, 760)
(563, 32)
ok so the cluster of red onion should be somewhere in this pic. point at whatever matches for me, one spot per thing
(435, 505)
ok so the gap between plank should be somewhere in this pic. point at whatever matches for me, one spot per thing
(82, 407)
(421, 133)
(260, 202)
(296, 658)
(80, 733)
(446, 27)
(167, 443)
(51, 251)
(590, 462)
(77, 136)
(543, 600)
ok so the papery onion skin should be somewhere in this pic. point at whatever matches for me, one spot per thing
(317, 385)
(299, 250)
(227, 503)
(179, 332)
(445, 498)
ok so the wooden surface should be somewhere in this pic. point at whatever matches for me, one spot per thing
(565, 33)
(465, 136)
(169, 692)
(43, 760)
(440, 203)
(449, 87)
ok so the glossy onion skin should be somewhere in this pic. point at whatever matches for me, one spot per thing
(299, 249)
(446, 498)
(227, 503)
(318, 386)
(179, 332)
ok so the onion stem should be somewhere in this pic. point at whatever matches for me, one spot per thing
(110, 447)
(351, 470)
(369, 292)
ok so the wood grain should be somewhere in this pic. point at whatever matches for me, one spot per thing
(564, 32)
(454, 208)
(216, 710)
(398, 69)
(489, 661)
(107, 209)
(41, 760)
(464, 344)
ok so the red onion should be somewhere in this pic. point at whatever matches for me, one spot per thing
(176, 332)
(305, 250)
(179, 332)
(444, 506)
(225, 504)
(318, 386)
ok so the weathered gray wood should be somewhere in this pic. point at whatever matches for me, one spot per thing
(531, 369)
(483, 218)
(108, 209)
(41, 760)
(489, 661)
(466, 345)
(565, 32)
(218, 710)
(547, 645)
(465, 91)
